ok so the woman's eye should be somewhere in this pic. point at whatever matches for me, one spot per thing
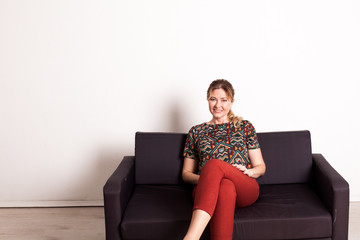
(224, 100)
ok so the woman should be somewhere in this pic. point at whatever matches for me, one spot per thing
(222, 158)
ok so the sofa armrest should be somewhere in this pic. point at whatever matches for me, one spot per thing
(334, 192)
(117, 192)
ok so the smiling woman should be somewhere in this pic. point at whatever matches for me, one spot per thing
(219, 106)
(223, 158)
(221, 97)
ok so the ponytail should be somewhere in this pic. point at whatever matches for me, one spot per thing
(235, 119)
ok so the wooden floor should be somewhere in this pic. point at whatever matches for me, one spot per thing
(52, 223)
(84, 223)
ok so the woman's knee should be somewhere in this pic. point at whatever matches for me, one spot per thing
(248, 196)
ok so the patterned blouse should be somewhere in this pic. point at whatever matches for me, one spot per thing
(221, 141)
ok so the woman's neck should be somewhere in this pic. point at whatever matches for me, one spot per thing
(219, 121)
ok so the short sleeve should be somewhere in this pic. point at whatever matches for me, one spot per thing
(251, 137)
(190, 150)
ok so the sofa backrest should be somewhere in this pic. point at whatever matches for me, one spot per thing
(287, 156)
(159, 157)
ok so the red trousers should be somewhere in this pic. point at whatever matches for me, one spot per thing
(221, 187)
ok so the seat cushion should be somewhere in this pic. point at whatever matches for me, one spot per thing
(157, 212)
(291, 211)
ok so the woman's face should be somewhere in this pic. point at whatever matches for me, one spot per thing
(219, 104)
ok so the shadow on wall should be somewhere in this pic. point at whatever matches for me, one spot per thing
(178, 118)
(89, 186)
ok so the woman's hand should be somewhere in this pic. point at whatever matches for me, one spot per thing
(246, 171)
(188, 172)
(257, 162)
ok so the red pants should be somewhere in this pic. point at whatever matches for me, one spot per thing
(221, 187)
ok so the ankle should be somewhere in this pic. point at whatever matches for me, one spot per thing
(190, 237)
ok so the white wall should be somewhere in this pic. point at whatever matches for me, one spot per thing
(79, 78)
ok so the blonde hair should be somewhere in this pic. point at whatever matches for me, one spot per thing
(230, 92)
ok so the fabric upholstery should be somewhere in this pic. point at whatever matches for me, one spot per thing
(333, 190)
(117, 192)
(287, 156)
(284, 211)
(157, 212)
(159, 158)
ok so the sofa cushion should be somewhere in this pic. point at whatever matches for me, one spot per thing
(159, 158)
(157, 212)
(287, 156)
(290, 211)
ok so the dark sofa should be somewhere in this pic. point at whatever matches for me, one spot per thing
(301, 195)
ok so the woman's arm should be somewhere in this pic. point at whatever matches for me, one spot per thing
(258, 165)
(188, 172)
